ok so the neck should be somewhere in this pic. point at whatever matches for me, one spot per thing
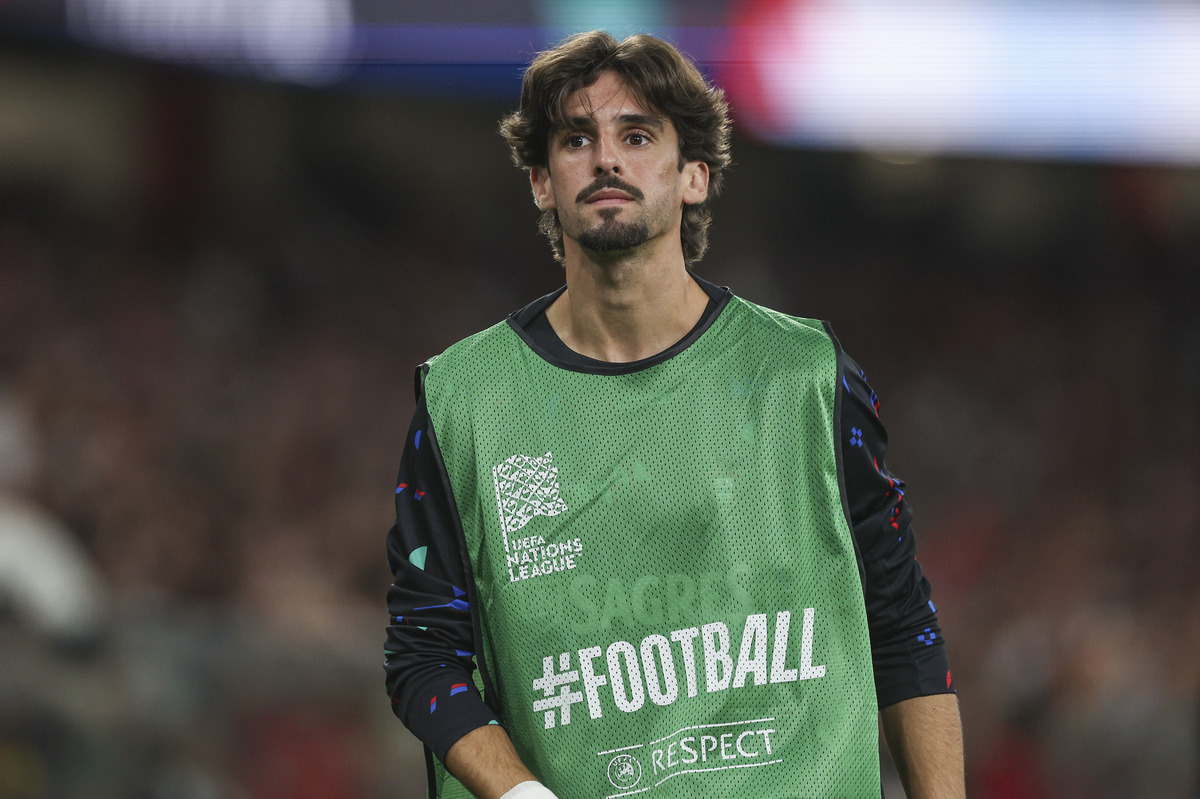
(625, 309)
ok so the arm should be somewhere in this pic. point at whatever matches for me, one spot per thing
(431, 632)
(907, 647)
(430, 636)
(924, 737)
(486, 763)
(919, 710)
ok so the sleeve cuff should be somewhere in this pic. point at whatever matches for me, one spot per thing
(441, 736)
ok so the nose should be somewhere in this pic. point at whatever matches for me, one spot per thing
(607, 159)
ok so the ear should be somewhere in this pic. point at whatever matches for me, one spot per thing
(543, 191)
(695, 185)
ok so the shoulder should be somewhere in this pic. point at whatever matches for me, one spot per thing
(477, 351)
(778, 333)
(761, 315)
(467, 367)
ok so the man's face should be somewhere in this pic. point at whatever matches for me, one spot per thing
(613, 175)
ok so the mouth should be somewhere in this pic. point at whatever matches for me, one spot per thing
(606, 197)
(609, 190)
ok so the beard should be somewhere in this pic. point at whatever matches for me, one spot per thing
(612, 235)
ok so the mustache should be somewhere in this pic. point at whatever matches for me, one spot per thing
(609, 182)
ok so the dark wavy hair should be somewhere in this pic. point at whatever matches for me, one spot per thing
(660, 77)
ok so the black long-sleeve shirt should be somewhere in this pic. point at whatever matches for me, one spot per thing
(432, 635)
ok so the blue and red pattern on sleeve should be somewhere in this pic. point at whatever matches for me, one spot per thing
(907, 647)
(428, 662)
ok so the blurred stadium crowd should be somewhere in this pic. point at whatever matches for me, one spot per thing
(203, 396)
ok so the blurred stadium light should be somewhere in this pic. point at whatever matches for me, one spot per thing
(299, 40)
(1116, 80)
(621, 17)
(1073, 79)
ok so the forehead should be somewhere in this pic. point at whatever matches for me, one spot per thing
(607, 98)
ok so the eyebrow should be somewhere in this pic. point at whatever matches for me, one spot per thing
(640, 120)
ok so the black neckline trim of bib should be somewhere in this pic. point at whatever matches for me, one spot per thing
(531, 324)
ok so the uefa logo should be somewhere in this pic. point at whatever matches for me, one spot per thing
(624, 771)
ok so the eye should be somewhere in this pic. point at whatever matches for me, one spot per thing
(637, 138)
(575, 140)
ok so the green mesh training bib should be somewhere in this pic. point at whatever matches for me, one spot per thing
(665, 578)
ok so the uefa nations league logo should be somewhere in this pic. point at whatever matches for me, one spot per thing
(526, 487)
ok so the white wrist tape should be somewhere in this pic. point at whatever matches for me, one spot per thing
(529, 790)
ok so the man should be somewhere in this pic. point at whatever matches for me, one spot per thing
(646, 541)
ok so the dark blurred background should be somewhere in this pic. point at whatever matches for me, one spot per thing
(229, 231)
